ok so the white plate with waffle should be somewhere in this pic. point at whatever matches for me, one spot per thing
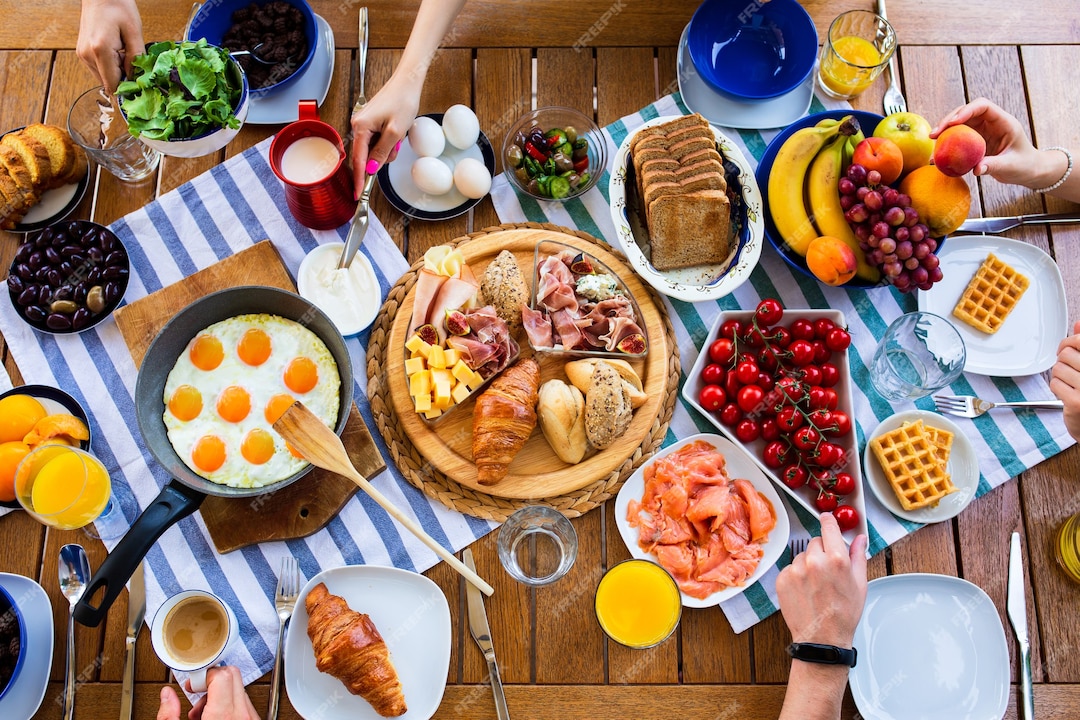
(962, 467)
(930, 646)
(1026, 342)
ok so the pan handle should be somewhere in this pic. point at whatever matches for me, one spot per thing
(175, 502)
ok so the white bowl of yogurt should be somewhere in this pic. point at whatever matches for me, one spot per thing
(349, 296)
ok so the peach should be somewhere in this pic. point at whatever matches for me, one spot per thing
(881, 154)
(831, 261)
(958, 150)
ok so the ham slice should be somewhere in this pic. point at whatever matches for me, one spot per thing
(424, 294)
(454, 294)
(569, 334)
(475, 353)
(537, 327)
(619, 328)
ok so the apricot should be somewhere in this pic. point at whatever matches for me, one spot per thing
(11, 454)
(881, 154)
(831, 261)
(18, 415)
(958, 150)
(52, 426)
(942, 201)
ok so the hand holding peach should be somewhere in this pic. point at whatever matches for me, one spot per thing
(959, 149)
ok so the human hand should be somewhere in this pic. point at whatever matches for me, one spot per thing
(379, 127)
(823, 590)
(225, 699)
(110, 36)
(1065, 380)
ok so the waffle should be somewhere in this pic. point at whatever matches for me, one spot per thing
(991, 295)
(942, 442)
(911, 465)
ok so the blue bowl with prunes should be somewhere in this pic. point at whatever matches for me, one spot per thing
(68, 277)
(12, 642)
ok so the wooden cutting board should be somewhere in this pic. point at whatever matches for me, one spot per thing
(307, 505)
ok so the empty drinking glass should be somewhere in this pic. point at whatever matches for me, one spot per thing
(537, 545)
(96, 125)
(920, 353)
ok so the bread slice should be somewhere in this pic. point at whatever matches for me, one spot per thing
(683, 148)
(690, 229)
(60, 148)
(686, 121)
(18, 172)
(34, 154)
(13, 204)
(684, 185)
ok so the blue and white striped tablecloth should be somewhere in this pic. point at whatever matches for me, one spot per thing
(221, 212)
(1006, 443)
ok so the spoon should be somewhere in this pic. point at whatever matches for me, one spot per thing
(318, 444)
(253, 53)
(74, 571)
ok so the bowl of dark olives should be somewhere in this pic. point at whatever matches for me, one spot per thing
(554, 153)
(68, 277)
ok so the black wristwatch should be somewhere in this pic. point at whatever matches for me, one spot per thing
(822, 654)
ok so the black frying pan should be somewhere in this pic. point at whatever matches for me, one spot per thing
(182, 496)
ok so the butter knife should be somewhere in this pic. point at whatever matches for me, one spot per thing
(478, 626)
(1001, 224)
(136, 614)
(1017, 609)
(358, 226)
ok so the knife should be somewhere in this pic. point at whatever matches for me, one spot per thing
(1001, 224)
(136, 613)
(1017, 608)
(478, 626)
(358, 226)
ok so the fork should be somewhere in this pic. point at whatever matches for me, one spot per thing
(798, 545)
(894, 99)
(288, 588)
(969, 406)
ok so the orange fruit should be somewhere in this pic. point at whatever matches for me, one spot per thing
(942, 202)
(18, 416)
(11, 454)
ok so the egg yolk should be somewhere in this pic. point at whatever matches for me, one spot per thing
(186, 403)
(258, 447)
(301, 375)
(234, 404)
(254, 347)
(206, 352)
(277, 407)
(208, 453)
(293, 452)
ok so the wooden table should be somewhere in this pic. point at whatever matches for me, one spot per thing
(616, 59)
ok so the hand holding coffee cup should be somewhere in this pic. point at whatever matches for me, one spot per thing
(191, 633)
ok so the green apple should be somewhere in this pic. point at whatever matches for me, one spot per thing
(911, 133)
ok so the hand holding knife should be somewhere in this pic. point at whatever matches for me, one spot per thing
(481, 632)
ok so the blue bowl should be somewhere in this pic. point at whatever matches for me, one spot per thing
(753, 51)
(868, 122)
(7, 605)
(214, 19)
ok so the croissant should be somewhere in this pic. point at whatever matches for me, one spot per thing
(349, 647)
(504, 417)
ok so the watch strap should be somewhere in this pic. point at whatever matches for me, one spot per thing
(823, 654)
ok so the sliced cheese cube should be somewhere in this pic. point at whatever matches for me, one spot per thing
(462, 372)
(442, 394)
(437, 357)
(433, 413)
(420, 383)
(460, 392)
(423, 402)
(452, 356)
(476, 381)
(416, 344)
(415, 365)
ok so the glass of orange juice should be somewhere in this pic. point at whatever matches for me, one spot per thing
(638, 604)
(63, 487)
(856, 50)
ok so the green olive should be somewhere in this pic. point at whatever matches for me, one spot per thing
(95, 299)
(64, 307)
(514, 156)
(571, 133)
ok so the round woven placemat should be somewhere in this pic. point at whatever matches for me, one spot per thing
(452, 494)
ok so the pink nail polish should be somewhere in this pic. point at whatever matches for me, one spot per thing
(372, 167)
(397, 146)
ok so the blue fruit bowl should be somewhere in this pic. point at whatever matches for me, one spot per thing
(12, 626)
(753, 51)
(215, 17)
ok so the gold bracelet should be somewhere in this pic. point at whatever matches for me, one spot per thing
(1068, 171)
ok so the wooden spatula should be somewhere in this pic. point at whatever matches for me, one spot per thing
(321, 447)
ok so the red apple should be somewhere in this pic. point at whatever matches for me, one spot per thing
(911, 133)
(875, 153)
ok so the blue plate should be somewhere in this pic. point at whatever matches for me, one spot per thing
(7, 605)
(753, 50)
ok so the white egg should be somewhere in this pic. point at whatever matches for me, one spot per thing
(432, 176)
(472, 178)
(461, 126)
(426, 137)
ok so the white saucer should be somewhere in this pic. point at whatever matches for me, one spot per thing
(25, 696)
(281, 107)
(1027, 341)
(930, 647)
(727, 111)
(963, 467)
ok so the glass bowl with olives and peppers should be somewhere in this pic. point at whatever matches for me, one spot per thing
(554, 153)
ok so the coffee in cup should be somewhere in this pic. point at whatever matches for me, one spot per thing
(195, 630)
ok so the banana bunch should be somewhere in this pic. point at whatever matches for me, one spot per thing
(803, 198)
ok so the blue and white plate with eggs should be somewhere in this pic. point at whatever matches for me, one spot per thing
(442, 169)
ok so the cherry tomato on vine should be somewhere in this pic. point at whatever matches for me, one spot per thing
(747, 431)
(830, 455)
(822, 354)
(802, 352)
(802, 330)
(712, 397)
(769, 311)
(822, 328)
(747, 371)
(816, 395)
(769, 429)
(794, 476)
(845, 484)
(811, 375)
(775, 454)
(731, 329)
(830, 374)
(805, 438)
(749, 398)
(838, 340)
(730, 414)
(767, 361)
(847, 517)
(791, 388)
(842, 423)
(714, 374)
(789, 419)
(822, 419)
(753, 338)
(831, 398)
(722, 351)
(765, 381)
(826, 502)
(781, 337)
(732, 385)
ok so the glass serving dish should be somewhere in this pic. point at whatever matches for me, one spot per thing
(547, 119)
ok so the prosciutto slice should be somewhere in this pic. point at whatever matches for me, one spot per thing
(453, 294)
(537, 327)
(424, 294)
(567, 330)
(476, 354)
(619, 328)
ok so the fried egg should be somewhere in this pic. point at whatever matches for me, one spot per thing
(232, 382)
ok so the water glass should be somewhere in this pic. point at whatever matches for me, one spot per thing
(920, 354)
(856, 50)
(537, 545)
(96, 125)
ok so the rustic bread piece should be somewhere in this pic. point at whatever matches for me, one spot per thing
(686, 121)
(59, 146)
(34, 154)
(18, 173)
(12, 203)
(505, 288)
(689, 229)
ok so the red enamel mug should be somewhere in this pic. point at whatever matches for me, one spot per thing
(309, 157)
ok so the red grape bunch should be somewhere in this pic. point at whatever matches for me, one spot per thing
(889, 230)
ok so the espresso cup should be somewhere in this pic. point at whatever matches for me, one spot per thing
(191, 632)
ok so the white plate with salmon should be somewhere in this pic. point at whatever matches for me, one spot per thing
(704, 511)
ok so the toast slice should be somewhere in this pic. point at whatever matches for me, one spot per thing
(60, 148)
(690, 229)
(34, 154)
